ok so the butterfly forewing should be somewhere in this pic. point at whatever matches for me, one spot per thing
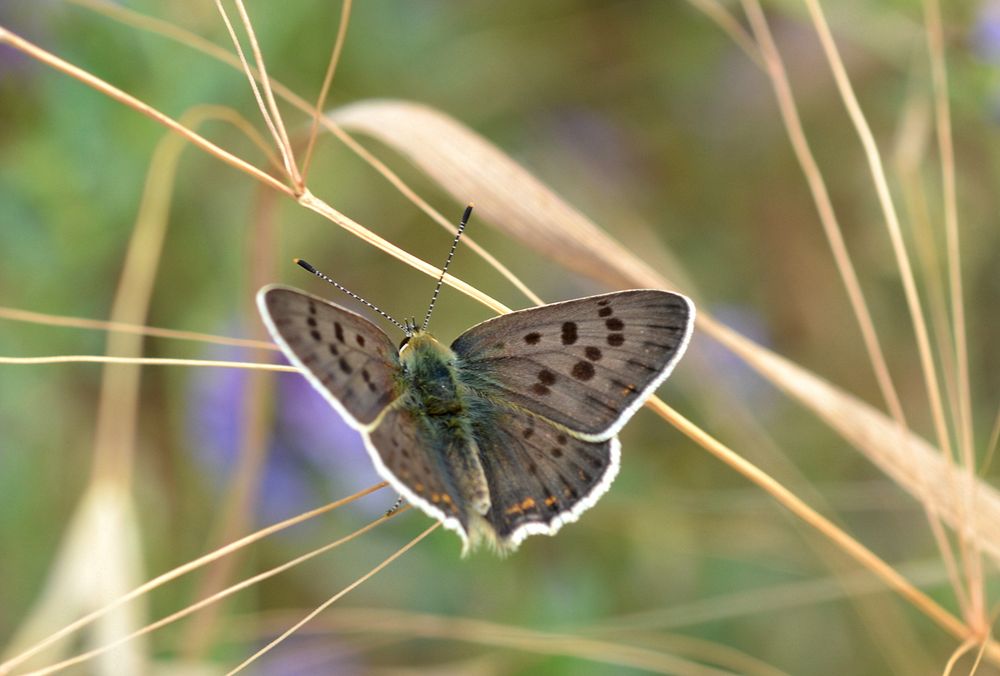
(539, 476)
(352, 362)
(587, 364)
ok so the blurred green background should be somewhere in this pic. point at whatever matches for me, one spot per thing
(647, 118)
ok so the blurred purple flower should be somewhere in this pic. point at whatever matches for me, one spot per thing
(986, 32)
(317, 654)
(744, 383)
(313, 455)
(985, 39)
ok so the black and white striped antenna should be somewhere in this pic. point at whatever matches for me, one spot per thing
(407, 329)
(444, 270)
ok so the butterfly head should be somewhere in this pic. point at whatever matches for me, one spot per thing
(417, 343)
(410, 330)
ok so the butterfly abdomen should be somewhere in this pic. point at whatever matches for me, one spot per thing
(435, 396)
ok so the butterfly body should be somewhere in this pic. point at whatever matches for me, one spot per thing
(443, 406)
(510, 431)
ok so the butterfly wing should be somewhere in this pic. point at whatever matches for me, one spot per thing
(349, 360)
(539, 477)
(414, 458)
(586, 364)
(355, 366)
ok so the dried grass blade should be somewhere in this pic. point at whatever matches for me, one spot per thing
(164, 578)
(912, 462)
(471, 168)
(336, 597)
(214, 598)
(29, 316)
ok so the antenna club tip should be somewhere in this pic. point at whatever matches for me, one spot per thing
(303, 264)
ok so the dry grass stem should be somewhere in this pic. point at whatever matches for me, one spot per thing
(322, 208)
(845, 542)
(115, 437)
(256, 400)
(18, 315)
(104, 521)
(331, 69)
(471, 630)
(969, 550)
(991, 446)
(962, 650)
(831, 228)
(942, 115)
(464, 164)
(768, 599)
(196, 42)
(775, 69)
(7, 666)
(874, 157)
(877, 436)
(731, 26)
(269, 110)
(112, 92)
(214, 598)
(147, 361)
(336, 597)
(964, 422)
(306, 198)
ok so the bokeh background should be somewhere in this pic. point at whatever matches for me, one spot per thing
(643, 115)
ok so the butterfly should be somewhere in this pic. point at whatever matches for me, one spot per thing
(511, 430)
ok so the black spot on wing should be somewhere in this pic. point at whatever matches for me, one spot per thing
(569, 333)
(583, 370)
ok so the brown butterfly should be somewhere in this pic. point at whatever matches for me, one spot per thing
(512, 430)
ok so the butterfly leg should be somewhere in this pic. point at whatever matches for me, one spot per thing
(395, 507)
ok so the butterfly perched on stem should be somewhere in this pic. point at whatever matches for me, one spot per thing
(512, 430)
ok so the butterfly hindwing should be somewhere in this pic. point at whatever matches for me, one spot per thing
(352, 362)
(586, 364)
(539, 476)
(415, 459)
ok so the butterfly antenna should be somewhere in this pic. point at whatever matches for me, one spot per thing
(309, 268)
(444, 270)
